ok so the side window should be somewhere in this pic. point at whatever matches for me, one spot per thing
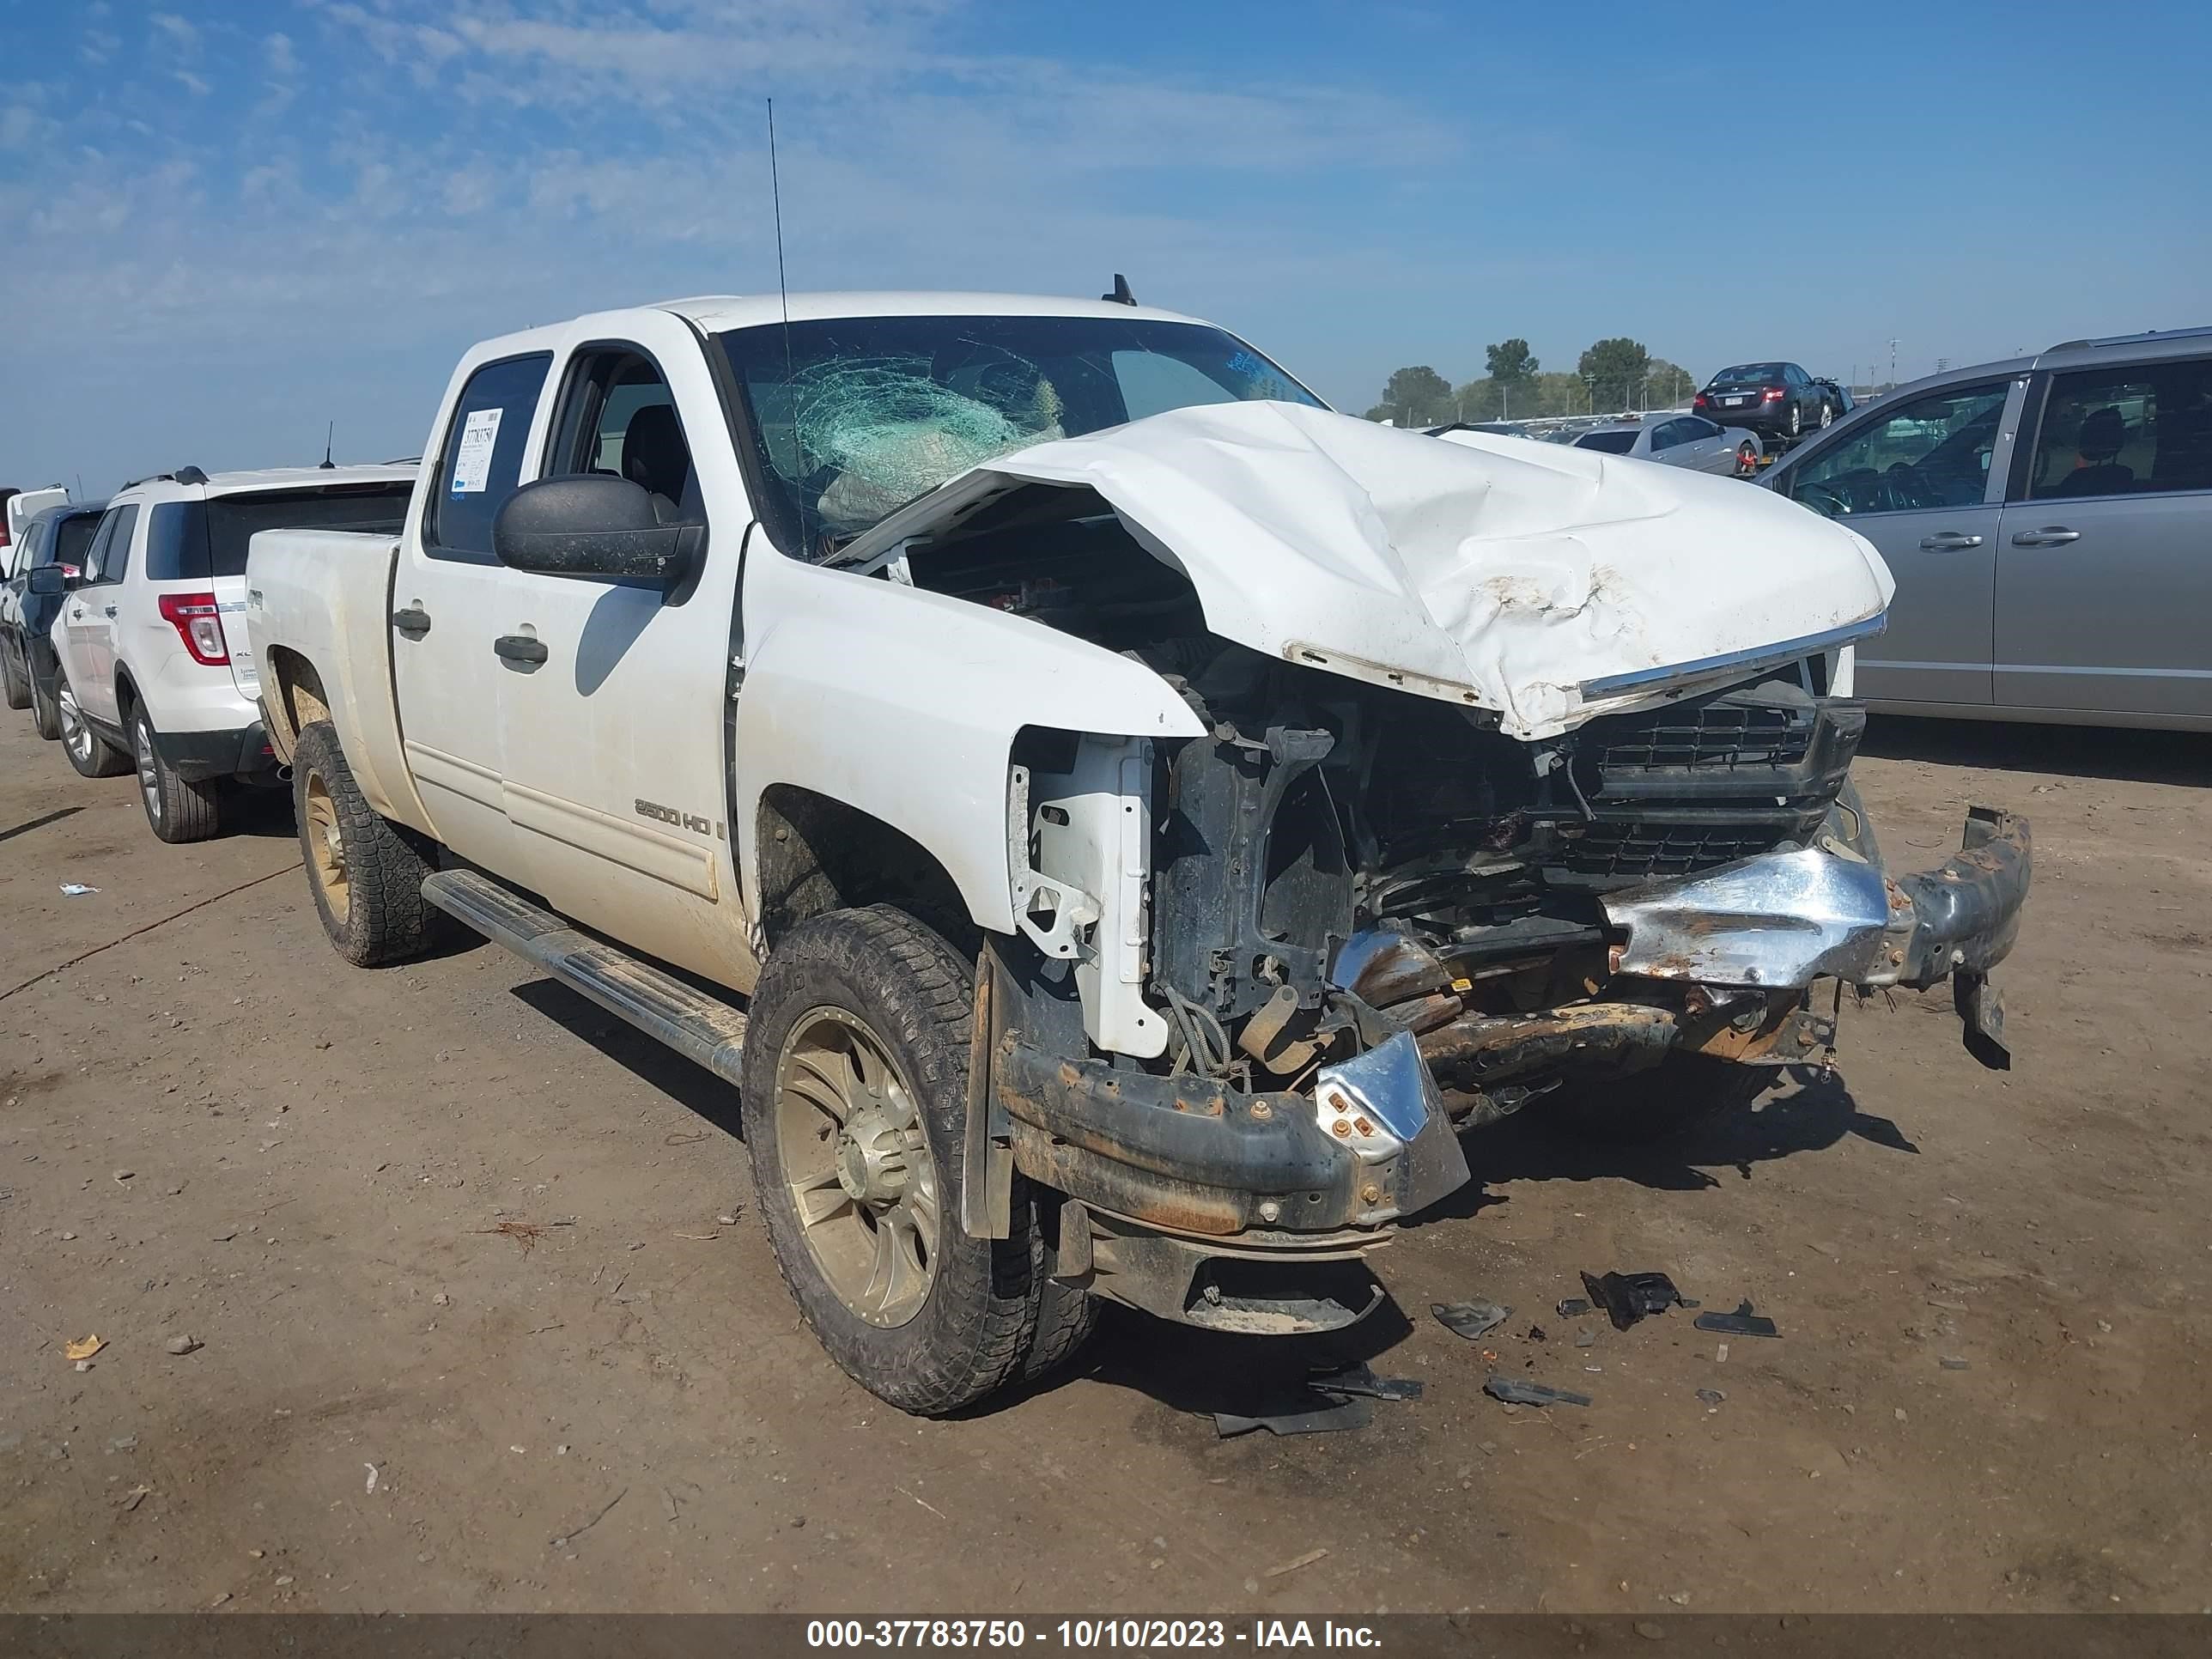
(1663, 436)
(617, 416)
(110, 549)
(2134, 431)
(482, 461)
(1931, 452)
(25, 553)
(1700, 427)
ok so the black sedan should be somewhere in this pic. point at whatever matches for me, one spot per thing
(1778, 400)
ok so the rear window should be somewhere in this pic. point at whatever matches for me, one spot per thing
(1612, 443)
(196, 541)
(71, 537)
(1748, 371)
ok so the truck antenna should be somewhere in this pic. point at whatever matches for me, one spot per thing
(776, 193)
(330, 437)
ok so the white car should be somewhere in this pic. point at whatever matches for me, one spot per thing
(1690, 440)
(154, 670)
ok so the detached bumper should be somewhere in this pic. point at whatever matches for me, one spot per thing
(1783, 919)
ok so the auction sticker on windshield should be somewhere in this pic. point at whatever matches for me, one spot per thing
(472, 456)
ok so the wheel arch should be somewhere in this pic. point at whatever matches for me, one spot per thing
(818, 853)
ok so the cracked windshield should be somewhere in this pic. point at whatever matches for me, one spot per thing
(855, 417)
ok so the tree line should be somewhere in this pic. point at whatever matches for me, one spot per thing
(1618, 373)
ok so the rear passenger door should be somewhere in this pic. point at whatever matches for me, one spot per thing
(89, 615)
(2104, 592)
(448, 596)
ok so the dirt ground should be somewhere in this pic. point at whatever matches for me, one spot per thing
(1990, 1392)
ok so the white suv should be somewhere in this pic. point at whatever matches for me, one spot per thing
(154, 667)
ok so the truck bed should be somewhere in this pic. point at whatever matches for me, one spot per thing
(326, 595)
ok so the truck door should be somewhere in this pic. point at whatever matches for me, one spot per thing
(615, 740)
(448, 598)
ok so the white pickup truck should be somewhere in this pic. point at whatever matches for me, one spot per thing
(1116, 821)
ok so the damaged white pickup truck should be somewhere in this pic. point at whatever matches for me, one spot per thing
(1116, 821)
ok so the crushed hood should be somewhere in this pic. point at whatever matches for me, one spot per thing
(1544, 583)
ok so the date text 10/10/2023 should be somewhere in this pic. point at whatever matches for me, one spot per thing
(1083, 1635)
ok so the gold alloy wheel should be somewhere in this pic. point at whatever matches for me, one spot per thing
(327, 848)
(856, 1162)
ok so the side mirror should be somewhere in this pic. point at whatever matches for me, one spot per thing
(47, 580)
(593, 524)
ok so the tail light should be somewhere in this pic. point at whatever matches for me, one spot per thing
(199, 624)
(1771, 395)
(1697, 402)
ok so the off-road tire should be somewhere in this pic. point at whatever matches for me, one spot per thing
(94, 757)
(381, 916)
(16, 674)
(1681, 1093)
(177, 810)
(912, 992)
(45, 713)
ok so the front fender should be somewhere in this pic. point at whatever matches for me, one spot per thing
(905, 704)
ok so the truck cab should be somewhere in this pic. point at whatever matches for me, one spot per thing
(1115, 821)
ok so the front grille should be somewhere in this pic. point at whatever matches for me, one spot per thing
(1650, 852)
(1713, 735)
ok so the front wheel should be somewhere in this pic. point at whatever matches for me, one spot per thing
(364, 872)
(855, 1093)
(1828, 415)
(92, 755)
(1746, 460)
(1796, 419)
(178, 810)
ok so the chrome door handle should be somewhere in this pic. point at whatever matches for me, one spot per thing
(2051, 535)
(1948, 541)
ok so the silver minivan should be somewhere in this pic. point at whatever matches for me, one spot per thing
(2049, 521)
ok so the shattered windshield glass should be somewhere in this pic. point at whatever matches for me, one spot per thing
(853, 417)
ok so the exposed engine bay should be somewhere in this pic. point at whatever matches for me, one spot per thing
(1336, 862)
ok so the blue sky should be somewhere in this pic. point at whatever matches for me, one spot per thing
(228, 223)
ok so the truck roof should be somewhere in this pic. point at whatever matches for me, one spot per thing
(717, 311)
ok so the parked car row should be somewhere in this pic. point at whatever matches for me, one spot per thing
(120, 626)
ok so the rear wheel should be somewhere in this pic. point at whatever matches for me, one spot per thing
(855, 1093)
(364, 872)
(92, 755)
(15, 675)
(178, 810)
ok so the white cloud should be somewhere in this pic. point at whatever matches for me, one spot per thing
(192, 83)
(182, 32)
(283, 62)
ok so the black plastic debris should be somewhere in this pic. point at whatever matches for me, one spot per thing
(1360, 1380)
(1320, 1414)
(1572, 1307)
(1742, 1322)
(1472, 1320)
(1517, 1391)
(1628, 1297)
(1711, 1396)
